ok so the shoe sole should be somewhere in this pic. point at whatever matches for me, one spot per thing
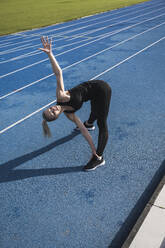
(96, 166)
(89, 128)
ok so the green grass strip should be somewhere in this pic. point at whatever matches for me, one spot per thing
(19, 15)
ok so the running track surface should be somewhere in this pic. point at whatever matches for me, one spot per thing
(46, 200)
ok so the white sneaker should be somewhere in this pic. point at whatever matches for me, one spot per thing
(90, 127)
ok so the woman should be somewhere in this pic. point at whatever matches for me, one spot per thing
(68, 102)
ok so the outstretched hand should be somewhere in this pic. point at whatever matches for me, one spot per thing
(47, 45)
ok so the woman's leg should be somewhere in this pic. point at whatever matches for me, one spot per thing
(103, 136)
(92, 116)
(100, 109)
(102, 141)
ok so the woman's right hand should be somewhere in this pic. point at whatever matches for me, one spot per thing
(47, 45)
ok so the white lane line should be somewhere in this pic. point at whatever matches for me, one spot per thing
(33, 53)
(26, 86)
(41, 61)
(26, 117)
(108, 13)
(131, 12)
(6, 44)
(98, 75)
(104, 15)
(76, 63)
(23, 47)
(20, 48)
(113, 24)
(22, 56)
(130, 57)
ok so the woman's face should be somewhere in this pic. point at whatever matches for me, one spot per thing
(52, 113)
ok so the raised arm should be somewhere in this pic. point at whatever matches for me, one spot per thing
(47, 48)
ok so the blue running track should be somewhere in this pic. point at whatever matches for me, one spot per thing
(46, 200)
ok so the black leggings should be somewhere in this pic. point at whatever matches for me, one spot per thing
(99, 111)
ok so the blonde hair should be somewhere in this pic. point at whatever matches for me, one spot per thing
(46, 129)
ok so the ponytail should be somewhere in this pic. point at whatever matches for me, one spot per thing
(46, 130)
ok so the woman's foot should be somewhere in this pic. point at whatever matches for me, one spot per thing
(89, 126)
(94, 163)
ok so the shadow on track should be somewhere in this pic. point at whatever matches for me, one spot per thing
(7, 172)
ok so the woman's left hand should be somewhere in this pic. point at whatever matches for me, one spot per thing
(47, 45)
